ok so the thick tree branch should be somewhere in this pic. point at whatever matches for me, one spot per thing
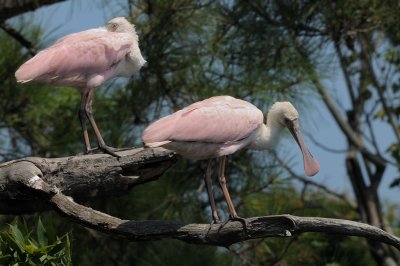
(224, 234)
(48, 179)
(11, 8)
(81, 177)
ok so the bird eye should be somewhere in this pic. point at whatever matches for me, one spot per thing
(287, 121)
(112, 26)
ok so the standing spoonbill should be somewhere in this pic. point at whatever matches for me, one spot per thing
(86, 60)
(222, 125)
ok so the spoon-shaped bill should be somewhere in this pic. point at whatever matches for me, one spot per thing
(311, 166)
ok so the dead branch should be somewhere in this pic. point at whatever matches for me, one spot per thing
(80, 177)
(49, 180)
(224, 234)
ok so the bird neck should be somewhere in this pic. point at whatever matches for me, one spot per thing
(134, 34)
(268, 136)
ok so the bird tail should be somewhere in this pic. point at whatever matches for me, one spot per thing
(156, 144)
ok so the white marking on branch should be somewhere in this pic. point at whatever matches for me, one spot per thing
(33, 182)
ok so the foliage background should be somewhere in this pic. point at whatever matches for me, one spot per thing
(261, 51)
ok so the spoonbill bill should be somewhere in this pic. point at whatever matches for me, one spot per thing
(221, 125)
(85, 60)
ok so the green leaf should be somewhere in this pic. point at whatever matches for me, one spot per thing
(41, 233)
(380, 114)
(5, 258)
(67, 249)
(30, 249)
(17, 236)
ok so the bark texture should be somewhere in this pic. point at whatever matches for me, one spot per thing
(80, 177)
(58, 182)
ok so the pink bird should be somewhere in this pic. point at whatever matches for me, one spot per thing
(220, 126)
(86, 60)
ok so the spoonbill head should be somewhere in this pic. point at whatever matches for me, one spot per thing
(86, 60)
(280, 115)
(120, 24)
(221, 125)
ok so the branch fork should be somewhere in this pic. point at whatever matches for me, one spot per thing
(54, 181)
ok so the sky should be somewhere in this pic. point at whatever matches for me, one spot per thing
(71, 16)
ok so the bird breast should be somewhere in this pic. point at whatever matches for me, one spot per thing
(208, 150)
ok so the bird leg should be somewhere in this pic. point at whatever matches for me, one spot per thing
(208, 181)
(231, 207)
(83, 119)
(89, 113)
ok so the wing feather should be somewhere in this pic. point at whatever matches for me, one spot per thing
(86, 52)
(221, 119)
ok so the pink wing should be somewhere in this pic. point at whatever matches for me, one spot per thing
(221, 119)
(90, 52)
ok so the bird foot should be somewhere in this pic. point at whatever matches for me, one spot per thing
(105, 149)
(214, 221)
(108, 150)
(243, 221)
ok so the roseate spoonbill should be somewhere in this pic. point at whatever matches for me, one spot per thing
(86, 60)
(222, 125)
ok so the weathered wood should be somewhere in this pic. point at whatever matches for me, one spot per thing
(81, 177)
(52, 181)
(224, 234)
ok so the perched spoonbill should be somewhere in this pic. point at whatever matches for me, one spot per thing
(222, 125)
(86, 60)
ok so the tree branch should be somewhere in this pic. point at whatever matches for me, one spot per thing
(19, 38)
(48, 179)
(307, 181)
(224, 234)
(380, 89)
(11, 8)
(80, 177)
(345, 127)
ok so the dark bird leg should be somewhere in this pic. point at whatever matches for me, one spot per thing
(231, 207)
(208, 181)
(89, 113)
(83, 119)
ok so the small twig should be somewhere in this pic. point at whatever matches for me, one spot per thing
(11, 8)
(372, 135)
(307, 181)
(322, 146)
(19, 38)
(380, 89)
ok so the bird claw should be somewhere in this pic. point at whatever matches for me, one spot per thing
(243, 221)
(214, 221)
(108, 150)
(105, 149)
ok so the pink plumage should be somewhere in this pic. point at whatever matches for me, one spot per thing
(215, 124)
(222, 125)
(80, 58)
(95, 53)
(86, 60)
